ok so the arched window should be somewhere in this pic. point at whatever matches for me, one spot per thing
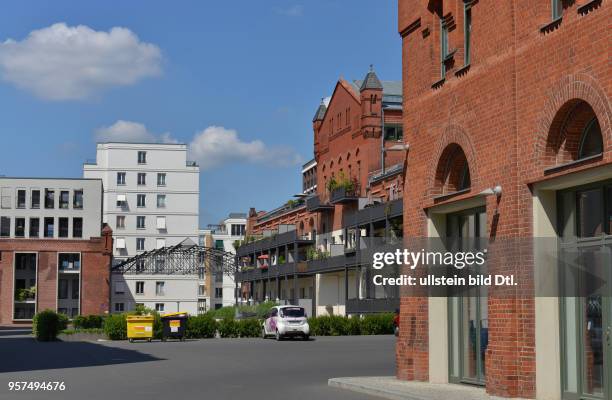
(591, 142)
(464, 180)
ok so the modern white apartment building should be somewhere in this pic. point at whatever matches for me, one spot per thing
(224, 237)
(151, 200)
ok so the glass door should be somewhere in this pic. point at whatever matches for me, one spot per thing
(585, 220)
(468, 315)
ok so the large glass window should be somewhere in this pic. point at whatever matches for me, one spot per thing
(5, 227)
(21, 198)
(443, 46)
(77, 199)
(64, 199)
(591, 142)
(49, 198)
(585, 232)
(467, 32)
(77, 227)
(34, 227)
(63, 227)
(35, 201)
(468, 314)
(49, 227)
(19, 227)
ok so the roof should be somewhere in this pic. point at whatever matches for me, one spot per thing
(320, 114)
(371, 81)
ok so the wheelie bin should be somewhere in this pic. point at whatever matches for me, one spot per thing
(174, 326)
(140, 327)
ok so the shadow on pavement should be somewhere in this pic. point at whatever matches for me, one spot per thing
(26, 354)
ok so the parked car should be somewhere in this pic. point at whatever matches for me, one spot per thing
(286, 321)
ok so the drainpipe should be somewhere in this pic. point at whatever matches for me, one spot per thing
(382, 137)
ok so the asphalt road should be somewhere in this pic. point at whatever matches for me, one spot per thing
(215, 369)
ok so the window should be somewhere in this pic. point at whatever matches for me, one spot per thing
(443, 47)
(140, 244)
(591, 142)
(6, 198)
(35, 199)
(120, 243)
(34, 227)
(119, 307)
(64, 199)
(49, 198)
(77, 227)
(69, 262)
(159, 289)
(394, 132)
(63, 227)
(19, 227)
(77, 199)
(121, 201)
(161, 243)
(161, 201)
(159, 307)
(120, 222)
(467, 32)
(200, 272)
(142, 178)
(201, 290)
(21, 198)
(120, 178)
(557, 9)
(141, 200)
(142, 157)
(49, 227)
(140, 287)
(218, 292)
(140, 222)
(161, 179)
(75, 294)
(140, 265)
(161, 223)
(119, 287)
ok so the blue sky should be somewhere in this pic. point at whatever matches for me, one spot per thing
(248, 73)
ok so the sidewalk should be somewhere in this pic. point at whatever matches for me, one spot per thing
(390, 388)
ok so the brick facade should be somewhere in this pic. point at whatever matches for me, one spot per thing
(526, 77)
(96, 257)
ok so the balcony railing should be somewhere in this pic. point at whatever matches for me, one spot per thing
(315, 203)
(343, 195)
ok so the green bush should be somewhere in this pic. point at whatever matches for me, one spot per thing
(63, 321)
(46, 325)
(88, 322)
(224, 312)
(201, 326)
(250, 327)
(377, 324)
(97, 331)
(228, 328)
(115, 327)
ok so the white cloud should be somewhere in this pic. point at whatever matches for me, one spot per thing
(63, 62)
(216, 145)
(128, 131)
(292, 11)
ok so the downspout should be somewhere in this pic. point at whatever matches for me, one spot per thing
(382, 136)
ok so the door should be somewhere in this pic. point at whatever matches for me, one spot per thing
(468, 315)
(585, 221)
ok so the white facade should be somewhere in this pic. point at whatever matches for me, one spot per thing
(151, 200)
(224, 235)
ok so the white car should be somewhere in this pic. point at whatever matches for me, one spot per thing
(286, 321)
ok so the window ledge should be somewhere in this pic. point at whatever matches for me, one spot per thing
(463, 70)
(438, 84)
(551, 26)
(449, 195)
(560, 167)
(589, 6)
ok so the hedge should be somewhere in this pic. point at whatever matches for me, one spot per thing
(115, 326)
(334, 325)
(46, 325)
(88, 322)
(249, 327)
(228, 328)
(201, 326)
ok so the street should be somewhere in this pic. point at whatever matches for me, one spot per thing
(204, 369)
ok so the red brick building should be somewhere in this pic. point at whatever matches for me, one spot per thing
(508, 117)
(54, 252)
(359, 160)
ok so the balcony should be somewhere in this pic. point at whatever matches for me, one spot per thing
(375, 212)
(342, 195)
(314, 204)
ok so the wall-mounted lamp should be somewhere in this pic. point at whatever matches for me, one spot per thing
(497, 191)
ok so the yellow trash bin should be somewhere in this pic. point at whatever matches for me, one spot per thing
(140, 327)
